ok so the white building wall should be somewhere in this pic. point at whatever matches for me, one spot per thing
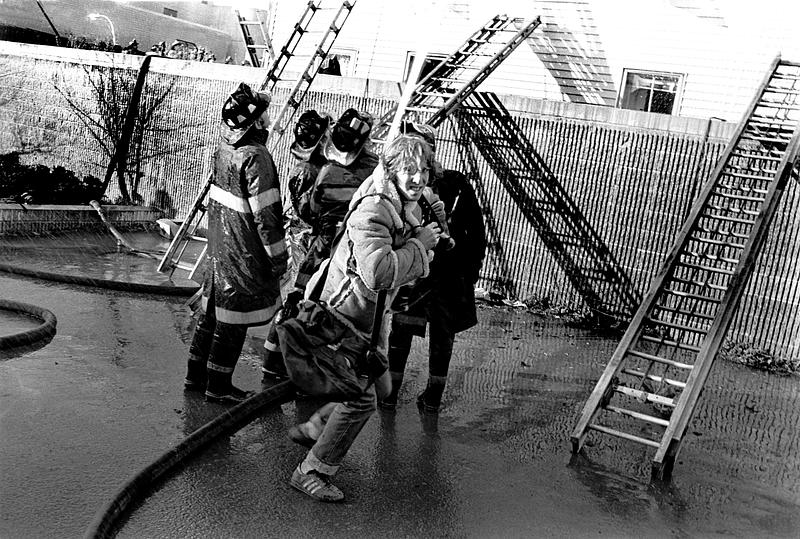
(579, 53)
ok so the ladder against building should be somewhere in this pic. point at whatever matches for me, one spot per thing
(311, 68)
(458, 75)
(650, 388)
(576, 247)
(187, 232)
(256, 39)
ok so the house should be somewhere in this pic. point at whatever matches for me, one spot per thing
(692, 58)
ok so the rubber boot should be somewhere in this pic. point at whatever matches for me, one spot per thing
(225, 349)
(198, 354)
(272, 366)
(430, 400)
(399, 350)
(390, 402)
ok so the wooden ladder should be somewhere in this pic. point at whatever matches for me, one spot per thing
(188, 230)
(649, 390)
(256, 40)
(458, 75)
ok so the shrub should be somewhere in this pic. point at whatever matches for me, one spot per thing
(38, 184)
(747, 353)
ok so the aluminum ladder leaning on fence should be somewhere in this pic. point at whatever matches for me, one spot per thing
(657, 372)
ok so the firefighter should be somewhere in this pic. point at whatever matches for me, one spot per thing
(323, 204)
(246, 247)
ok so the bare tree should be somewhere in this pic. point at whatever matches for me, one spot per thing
(103, 116)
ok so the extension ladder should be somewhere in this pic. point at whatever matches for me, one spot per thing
(665, 356)
(576, 247)
(256, 40)
(303, 83)
(458, 75)
(187, 232)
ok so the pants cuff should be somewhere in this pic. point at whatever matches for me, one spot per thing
(311, 461)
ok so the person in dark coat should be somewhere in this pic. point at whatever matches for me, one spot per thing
(447, 301)
(246, 248)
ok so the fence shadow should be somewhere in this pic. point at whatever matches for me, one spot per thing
(580, 252)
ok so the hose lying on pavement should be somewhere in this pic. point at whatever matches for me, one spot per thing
(45, 330)
(106, 523)
(169, 290)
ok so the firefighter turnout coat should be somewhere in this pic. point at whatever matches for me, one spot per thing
(246, 246)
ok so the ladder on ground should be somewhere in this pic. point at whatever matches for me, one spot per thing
(256, 40)
(570, 239)
(458, 75)
(651, 386)
(188, 229)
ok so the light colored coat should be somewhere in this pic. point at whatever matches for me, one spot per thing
(378, 251)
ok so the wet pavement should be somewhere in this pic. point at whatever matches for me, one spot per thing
(102, 400)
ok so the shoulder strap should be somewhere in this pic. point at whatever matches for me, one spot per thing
(317, 291)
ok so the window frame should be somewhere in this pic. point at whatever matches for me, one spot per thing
(351, 64)
(677, 102)
(411, 55)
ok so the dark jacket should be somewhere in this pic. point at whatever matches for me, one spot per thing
(455, 272)
(246, 246)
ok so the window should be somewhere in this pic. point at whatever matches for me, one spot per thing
(431, 61)
(339, 62)
(651, 91)
(170, 12)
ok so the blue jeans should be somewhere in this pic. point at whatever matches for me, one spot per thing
(341, 430)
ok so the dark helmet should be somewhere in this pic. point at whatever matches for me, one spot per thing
(348, 136)
(242, 108)
(309, 131)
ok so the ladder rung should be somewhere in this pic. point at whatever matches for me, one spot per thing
(668, 342)
(684, 313)
(181, 265)
(718, 242)
(638, 415)
(675, 325)
(744, 198)
(755, 156)
(749, 176)
(259, 47)
(640, 395)
(703, 267)
(786, 91)
(199, 238)
(702, 284)
(698, 297)
(459, 66)
(658, 359)
(728, 219)
(655, 378)
(765, 139)
(620, 434)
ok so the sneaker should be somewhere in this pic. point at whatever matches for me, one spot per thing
(193, 385)
(234, 395)
(299, 436)
(316, 485)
